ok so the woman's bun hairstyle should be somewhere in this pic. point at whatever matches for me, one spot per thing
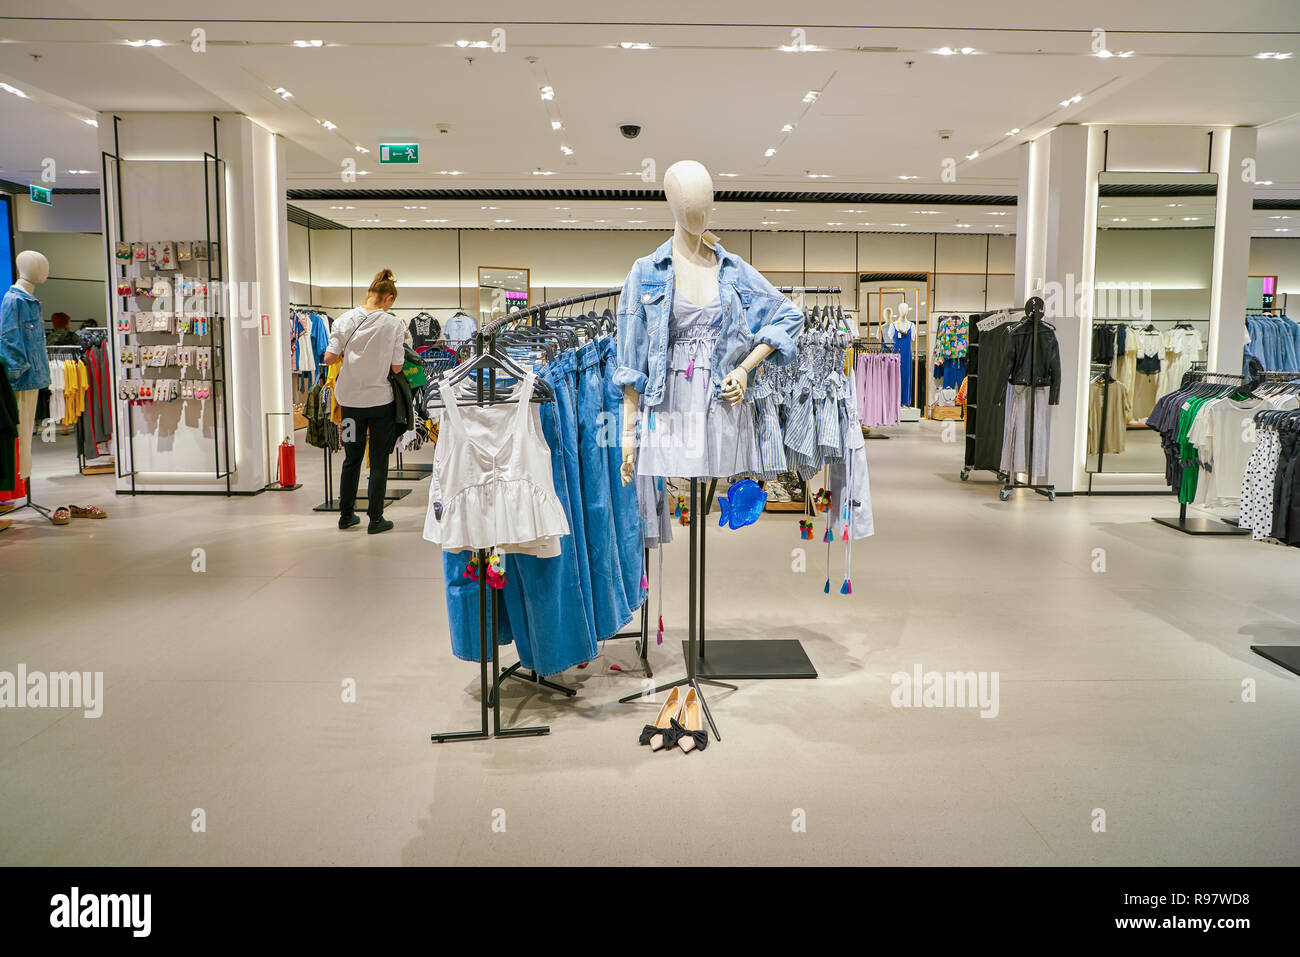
(383, 285)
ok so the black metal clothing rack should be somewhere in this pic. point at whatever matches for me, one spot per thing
(1200, 524)
(484, 340)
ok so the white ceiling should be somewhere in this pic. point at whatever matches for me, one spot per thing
(709, 89)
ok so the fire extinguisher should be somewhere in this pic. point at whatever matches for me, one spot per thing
(286, 471)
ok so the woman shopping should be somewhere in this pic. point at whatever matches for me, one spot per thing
(369, 341)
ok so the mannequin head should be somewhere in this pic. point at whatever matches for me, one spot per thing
(689, 190)
(903, 310)
(33, 267)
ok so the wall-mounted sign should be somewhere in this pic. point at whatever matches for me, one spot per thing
(41, 194)
(399, 152)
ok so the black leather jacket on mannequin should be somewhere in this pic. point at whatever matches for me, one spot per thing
(1046, 360)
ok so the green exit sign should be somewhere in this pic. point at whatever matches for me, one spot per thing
(40, 194)
(399, 152)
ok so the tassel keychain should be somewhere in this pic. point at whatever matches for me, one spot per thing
(828, 537)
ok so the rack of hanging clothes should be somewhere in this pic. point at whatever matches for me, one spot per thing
(435, 357)
(951, 345)
(81, 395)
(556, 600)
(877, 372)
(1270, 482)
(1013, 375)
(1272, 339)
(309, 334)
(1203, 432)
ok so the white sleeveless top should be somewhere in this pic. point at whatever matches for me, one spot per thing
(491, 484)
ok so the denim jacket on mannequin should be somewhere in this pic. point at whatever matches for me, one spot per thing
(22, 340)
(753, 313)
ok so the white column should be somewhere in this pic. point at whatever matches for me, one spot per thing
(1232, 213)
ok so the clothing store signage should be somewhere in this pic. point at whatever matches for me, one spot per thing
(399, 152)
(41, 194)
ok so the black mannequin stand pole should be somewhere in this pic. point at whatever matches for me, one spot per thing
(694, 624)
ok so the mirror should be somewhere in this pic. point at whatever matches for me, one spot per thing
(501, 289)
(1151, 307)
(894, 310)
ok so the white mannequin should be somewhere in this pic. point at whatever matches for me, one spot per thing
(33, 269)
(689, 191)
(903, 324)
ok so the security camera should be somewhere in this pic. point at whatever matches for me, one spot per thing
(630, 130)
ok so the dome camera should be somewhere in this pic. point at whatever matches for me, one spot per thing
(630, 130)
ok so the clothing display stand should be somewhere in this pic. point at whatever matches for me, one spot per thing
(489, 696)
(975, 419)
(1284, 656)
(331, 504)
(1034, 310)
(1200, 524)
(860, 346)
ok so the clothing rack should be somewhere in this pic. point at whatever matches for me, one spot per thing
(484, 341)
(1200, 525)
(860, 346)
(82, 462)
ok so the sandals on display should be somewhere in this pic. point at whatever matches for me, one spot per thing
(61, 515)
(88, 511)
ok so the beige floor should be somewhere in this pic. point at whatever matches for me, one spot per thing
(1120, 690)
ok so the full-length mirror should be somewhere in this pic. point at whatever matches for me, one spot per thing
(501, 289)
(1151, 308)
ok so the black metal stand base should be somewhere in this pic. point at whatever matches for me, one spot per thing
(532, 677)
(738, 658)
(408, 474)
(1285, 656)
(332, 504)
(1195, 525)
(683, 682)
(282, 488)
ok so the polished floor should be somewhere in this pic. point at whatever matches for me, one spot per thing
(1122, 650)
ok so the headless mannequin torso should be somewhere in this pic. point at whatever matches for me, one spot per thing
(689, 191)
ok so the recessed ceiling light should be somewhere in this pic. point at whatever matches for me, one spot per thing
(543, 172)
(925, 212)
(1281, 229)
(811, 96)
(401, 220)
(1155, 219)
(568, 220)
(787, 128)
(991, 213)
(361, 149)
(487, 207)
(328, 125)
(14, 90)
(963, 225)
(566, 150)
(971, 156)
(363, 172)
(770, 151)
(1171, 205)
(547, 92)
(770, 222)
(505, 220)
(1190, 219)
(449, 172)
(1264, 182)
(1279, 217)
(1120, 219)
(898, 224)
(720, 174)
(134, 43)
(834, 224)
(1107, 54)
(155, 43)
(78, 172)
(634, 45)
(91, 122)
(866, 224)
(282, 93)
(995, 225)
(636, 220)
(909, 177)
(435, 220)
(309, 43)
(1272, 56)
(1012, 132)
(818, 175)
(1072, 100)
